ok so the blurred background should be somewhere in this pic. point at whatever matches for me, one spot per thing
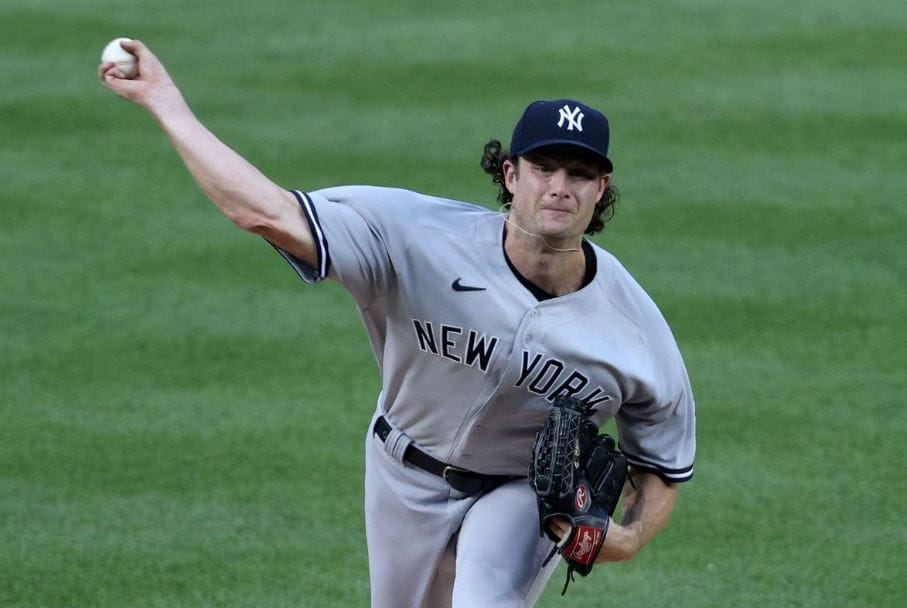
(181, 419)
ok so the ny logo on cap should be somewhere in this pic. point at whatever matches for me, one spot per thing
(573, 117)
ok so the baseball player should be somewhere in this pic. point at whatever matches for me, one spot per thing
(478, 320)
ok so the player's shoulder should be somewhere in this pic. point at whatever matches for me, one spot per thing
(623, 291)
(392, 197)
(382, 205)
(610, 269)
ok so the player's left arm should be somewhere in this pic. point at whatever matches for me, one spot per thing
(647, 506)
(648, 503)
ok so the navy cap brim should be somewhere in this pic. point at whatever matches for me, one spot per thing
(609, 166)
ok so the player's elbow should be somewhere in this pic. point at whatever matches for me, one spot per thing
(256, 223)
(291, 234)
(262, 214)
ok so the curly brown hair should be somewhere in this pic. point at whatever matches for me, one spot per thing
(493, 157)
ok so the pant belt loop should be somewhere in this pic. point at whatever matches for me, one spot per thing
(396, 443)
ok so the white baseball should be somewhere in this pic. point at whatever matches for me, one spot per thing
(125, 60)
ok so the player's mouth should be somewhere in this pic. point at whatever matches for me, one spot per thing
(558, 211)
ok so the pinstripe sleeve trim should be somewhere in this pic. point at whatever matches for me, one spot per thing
(323, 263)
(321, 244)
(671, 475)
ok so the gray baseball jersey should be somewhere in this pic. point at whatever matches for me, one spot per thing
(471, 359)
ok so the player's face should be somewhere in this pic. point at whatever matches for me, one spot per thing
(555, 192)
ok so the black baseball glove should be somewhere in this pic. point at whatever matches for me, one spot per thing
(578, 476)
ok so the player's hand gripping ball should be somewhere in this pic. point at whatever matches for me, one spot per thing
(125, 60)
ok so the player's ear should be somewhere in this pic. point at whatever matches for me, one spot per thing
(511, 173)
(603, 184)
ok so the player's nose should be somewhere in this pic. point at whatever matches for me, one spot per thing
(557, 183)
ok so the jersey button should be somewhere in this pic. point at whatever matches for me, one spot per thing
(478, 429)
(535, 313)
(467, 456)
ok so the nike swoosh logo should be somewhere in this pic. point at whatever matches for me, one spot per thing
(457, 286)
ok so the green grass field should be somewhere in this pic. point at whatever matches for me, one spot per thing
(181, 420)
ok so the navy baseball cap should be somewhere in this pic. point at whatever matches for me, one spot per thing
(563, 122)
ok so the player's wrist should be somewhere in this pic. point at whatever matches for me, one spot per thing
(622, 543)
(167, 103)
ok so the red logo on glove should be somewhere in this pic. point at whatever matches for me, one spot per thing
(582, 500)
(584, 547)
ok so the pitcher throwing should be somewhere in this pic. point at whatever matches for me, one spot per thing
(479, 321)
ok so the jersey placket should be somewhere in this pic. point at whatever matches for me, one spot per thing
(473, 434)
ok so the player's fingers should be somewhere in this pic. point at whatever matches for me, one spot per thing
(560, 528)
(134, 46)
(107, 70)
(111, 75)
(149, 66)
(138, 48)
(113, 78)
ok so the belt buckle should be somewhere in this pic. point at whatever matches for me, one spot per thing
(450, 468)
(463, 480)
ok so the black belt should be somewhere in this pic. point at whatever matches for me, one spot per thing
(459, 479)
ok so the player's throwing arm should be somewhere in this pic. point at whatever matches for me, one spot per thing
(248, 198)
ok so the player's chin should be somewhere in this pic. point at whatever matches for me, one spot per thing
(558, 222)
(565, 233)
